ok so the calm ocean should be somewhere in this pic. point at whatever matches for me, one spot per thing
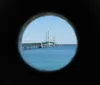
(53, 58)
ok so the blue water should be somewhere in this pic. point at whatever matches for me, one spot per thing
(49, 59)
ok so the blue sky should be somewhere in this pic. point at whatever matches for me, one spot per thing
(58, 27)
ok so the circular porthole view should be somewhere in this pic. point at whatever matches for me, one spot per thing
(47, 42)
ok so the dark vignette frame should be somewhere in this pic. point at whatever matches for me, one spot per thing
(37, 16)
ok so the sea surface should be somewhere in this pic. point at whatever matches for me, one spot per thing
(49, 59)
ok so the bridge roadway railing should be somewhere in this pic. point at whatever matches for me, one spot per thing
(26, 46)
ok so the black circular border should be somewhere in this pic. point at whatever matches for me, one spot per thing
(37, 16)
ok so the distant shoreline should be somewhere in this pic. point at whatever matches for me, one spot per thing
(39, 43)
(57, 44)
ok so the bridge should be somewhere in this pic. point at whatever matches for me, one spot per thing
(48, 43)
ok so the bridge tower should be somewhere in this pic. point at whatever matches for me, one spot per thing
(48, 38)
(54, 40)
